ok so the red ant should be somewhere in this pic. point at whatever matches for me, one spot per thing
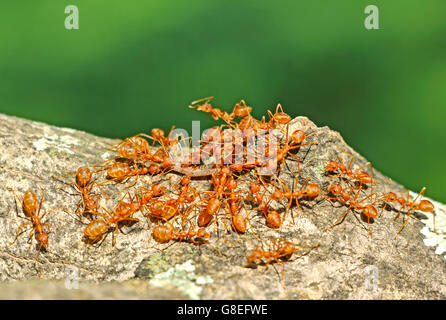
(214, 112)
(162, 210)
(214, 204)
(186, 193)
(307, 190)
(281, 250)
(272, 217)
(166, 233)
(293, 141)
(158, 136)
(234, 206)
(368, 211)
(279, 117)
(119, 171)
(423, 205)
(241, 109)
(361, 176)
(97, 228)
(29, 205)
(84, 185)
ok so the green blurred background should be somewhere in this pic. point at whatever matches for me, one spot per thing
(135, 65)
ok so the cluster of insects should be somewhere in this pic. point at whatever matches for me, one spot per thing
(241, 181)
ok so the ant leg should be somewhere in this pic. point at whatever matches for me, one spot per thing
(351, 160)
(17, 234)
(247, 216)
(302, 145)
(398, 214)
(308, 247)
(100, 189)
(419, 194)
(339, 219)
(31, 237)
(407, 219)
(73, 184)
(20, 201)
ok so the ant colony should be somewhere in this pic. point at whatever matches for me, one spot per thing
(243, 183)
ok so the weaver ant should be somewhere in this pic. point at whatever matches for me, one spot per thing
(368, 211)
(84, 186)
(166, 233)
(272, 217)
(423, 205)
(359, 175)
(216, 113)
(97, 228)
(309, 191)
(234, 206)
(214, 204)
(29, 205)
(281, 251)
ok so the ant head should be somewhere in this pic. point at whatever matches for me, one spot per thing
(43, 239)
(331, 166)
(390, 197)
(241, 109)
(91, 204)
(135, 206)
(154, 169)
(231, 184)
(226, 171)
(277, 195)
(190, 196)
(282, 118)
(205, 107)
(203, 234)
(157, 133)
(336, 189)
(185, 180)
(83, 176)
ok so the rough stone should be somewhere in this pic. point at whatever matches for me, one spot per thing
(32, 153)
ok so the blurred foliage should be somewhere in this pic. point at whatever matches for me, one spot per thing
(135, 65)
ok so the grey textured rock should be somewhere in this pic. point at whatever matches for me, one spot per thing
(32, 152)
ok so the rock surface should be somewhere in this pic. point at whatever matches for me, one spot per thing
(347, 264)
